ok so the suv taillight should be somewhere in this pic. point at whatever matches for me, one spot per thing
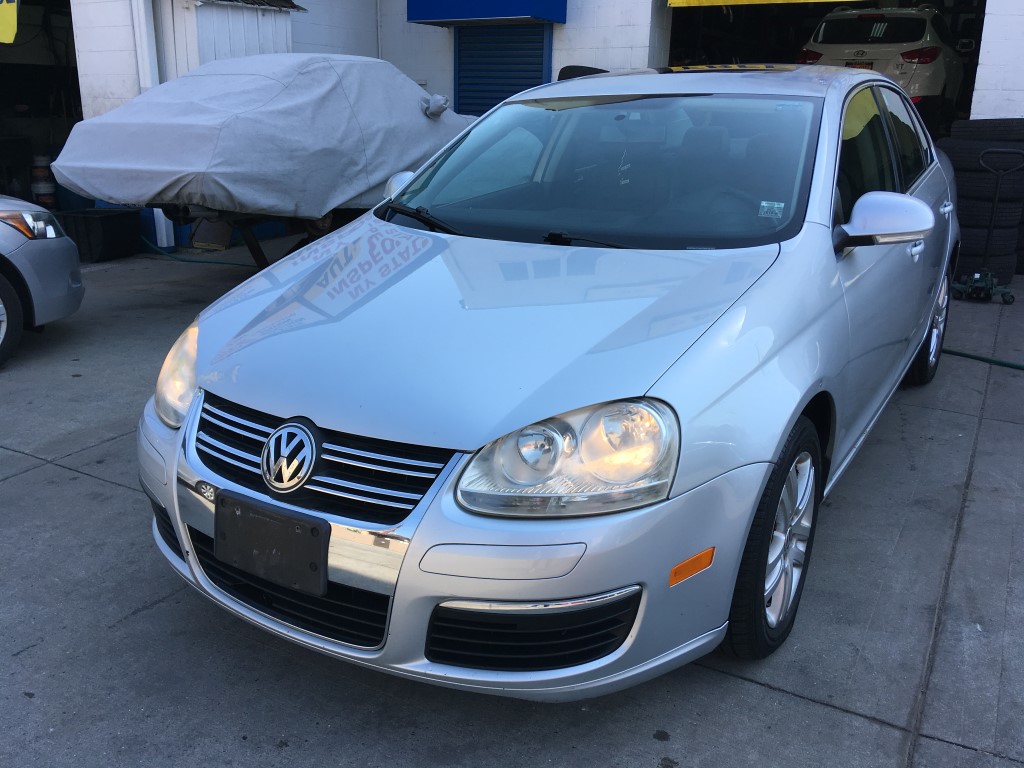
(807, 56)
(921, 55)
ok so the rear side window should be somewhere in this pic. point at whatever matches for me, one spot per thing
(865, 162)
(912, 149)
(870, 28)
(942, 30)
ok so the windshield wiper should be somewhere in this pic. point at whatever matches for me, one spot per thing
(424, 216)
(563, 238)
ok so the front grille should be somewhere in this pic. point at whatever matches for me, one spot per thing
(529, 642)
(346, 614)
(355, 477)
(166, 529)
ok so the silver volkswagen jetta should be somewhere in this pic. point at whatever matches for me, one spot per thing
(558, 415)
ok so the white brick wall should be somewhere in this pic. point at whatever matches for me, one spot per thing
(108, 70)
(999, 90)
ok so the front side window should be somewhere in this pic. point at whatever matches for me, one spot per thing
(911, 146)
(865, 162)
(659, 172)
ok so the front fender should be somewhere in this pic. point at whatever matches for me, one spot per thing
(740, 389)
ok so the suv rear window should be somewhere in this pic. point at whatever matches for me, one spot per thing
(870, 28)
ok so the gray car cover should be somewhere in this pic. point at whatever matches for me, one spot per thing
(275, 134)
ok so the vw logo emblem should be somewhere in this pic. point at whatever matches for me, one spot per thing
(288, 458)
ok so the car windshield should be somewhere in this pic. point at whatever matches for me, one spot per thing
(870, 28)
(657, 172)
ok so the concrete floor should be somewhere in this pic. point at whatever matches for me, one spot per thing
(908, 651)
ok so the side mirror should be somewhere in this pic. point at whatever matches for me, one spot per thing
(396, 182)
(882, 218)
(965, 45)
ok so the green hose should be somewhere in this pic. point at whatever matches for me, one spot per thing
(170, 255)
(984, 359)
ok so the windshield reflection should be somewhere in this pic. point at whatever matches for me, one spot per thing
(656, 172)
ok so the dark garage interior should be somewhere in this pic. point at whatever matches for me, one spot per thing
(39, 98)
(775, 32)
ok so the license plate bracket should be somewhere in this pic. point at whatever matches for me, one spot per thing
(281, 546)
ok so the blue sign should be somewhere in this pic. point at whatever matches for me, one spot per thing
(450, 12)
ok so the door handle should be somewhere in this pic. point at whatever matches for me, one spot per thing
(946, 208)
(915, 249)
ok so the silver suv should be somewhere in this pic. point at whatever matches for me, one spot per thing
(913, 46)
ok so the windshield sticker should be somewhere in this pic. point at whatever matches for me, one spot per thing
(770, 210)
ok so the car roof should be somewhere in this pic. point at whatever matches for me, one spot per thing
(758, 79)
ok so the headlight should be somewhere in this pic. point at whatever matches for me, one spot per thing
(605, 458)
(176, 385)
(35, 225)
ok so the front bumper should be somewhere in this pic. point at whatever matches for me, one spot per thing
(442, 555)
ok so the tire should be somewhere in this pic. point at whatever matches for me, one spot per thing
(1020, 249)
(1001, 266)
(999, 129)
(778, 549)
(978, 213)
(926, 361)
(965, 154)
(11, 319)
(1002, 243)
(981, 185)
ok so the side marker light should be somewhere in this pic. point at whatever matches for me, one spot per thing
(691, 567)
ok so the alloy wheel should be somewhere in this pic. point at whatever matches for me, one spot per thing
(938, 330)
(787, 552)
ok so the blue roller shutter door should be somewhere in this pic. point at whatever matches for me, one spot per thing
(495, 62)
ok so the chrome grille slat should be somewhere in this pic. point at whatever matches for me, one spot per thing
(378, 467)
(263, 432)
(225, 448)
(364, 499)
(392, 459)
(228, 459)
(367, 488)
(357, 477)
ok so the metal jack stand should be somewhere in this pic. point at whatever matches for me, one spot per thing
(983, 285)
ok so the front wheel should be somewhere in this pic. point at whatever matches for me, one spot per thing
(778, 549)
(10, 319)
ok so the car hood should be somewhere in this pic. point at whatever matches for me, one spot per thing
(432, 339)
(17, 204)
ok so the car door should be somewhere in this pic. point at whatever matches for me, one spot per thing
(878, 281)
(920, 176)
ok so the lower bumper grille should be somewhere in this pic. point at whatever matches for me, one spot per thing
(345, 614)
(166, 529)
(529, 642)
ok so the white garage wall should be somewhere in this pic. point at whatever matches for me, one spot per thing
(425, 53)
(999, 91)
(229, 31)
(336, 26)
(613, 34)
(108, 72)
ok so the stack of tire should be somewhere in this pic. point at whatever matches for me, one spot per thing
(977, 208)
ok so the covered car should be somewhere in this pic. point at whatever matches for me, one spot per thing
(294, 135)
